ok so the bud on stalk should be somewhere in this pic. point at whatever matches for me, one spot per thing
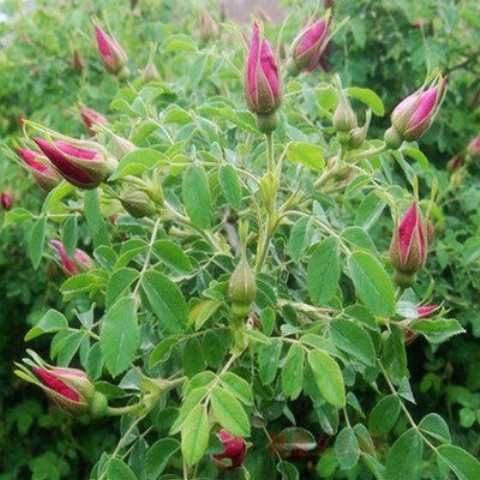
(262, 84)
(40, 168)
(208, 27)
(111, 53)
(474, 147)
(82, 163)
(425, 311)
(308, 46)
(80, 262)
(408, 249)
(6, 201)
(242, 288)
(415, 115)
(138, 203)
(234, 451)
(90, 118)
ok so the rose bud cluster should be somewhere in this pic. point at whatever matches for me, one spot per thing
(113, 56)
(80, 262)
(234, 451)
(6, 201)
(414, 116)
(82, 163)
(90, 118)
(40, 168)
(408, 249)
(262, 85)
(308, 46)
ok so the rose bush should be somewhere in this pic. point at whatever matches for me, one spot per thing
(249, 281)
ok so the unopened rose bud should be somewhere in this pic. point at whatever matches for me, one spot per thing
(80, 262)
(150, 72)
(90, 118)
(344, 118)
(208, 27)
(40, 168)
(415, 115)
(308, 46)
(455, 163)
(138, 203)
(242, 288)
(408, 249)
(358, 135)
(222, 9)
(234, 451)
(78, 63)
(425, 311)
(82, 163)
(111, 53)
(6, 201)
(262, 84)
(474, 147)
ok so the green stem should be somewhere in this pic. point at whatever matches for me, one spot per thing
(117, 411)
(270, 152)
(368, 153)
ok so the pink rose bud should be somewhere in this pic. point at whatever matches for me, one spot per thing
(90, 118)
(84, 164)
(426, 310)
(112, 54)
(414, 116)
(6, 201)
(77, 62)
(234, 451)
(262, 85)
(474, 147)
(455, 163)
(40, 168)
(69, 388)
(80, 262)
(208, 27)
(408, 250)
(308, 46)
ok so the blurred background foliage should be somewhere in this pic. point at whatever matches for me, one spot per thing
(48, 63)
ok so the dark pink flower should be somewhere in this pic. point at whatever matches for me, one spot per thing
(308, 46)
(413, 116)
(90, 118)
(40, 168)
(425, 311)
(234, 451)
(408, 250)
(6, 201)
(80, 262)
(474, 147)
(69, 388)
(262, 82)
(85, 168)
(112, 54)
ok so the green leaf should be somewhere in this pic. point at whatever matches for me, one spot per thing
(196, 196)
(306, 154)
(268, 357)
(463, 464)
(352, 339)
(384, 415)
(437, 331)
(120, 336)
(16, 216)
(202, 311)
(369, 98)
(300, 238)
(69, 235)
(52, 321)
(37, 242)
(394, 354)
(417, 155)
(435, 426)
(166, 300)
(292, 372)
(193, 359)
(162, 351)
(118, 470)
(372, 283)
(238, 386)
(158, 456)
(174, 43)
(230, 185)
(92, 210)
(287, 470)
(328, 377)
(294, 438)
(229, 412)
(118, 283)
(195, 435)
(405, 457)
(347, 449)
(323, 271)
(173, 256)
(137, 162)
